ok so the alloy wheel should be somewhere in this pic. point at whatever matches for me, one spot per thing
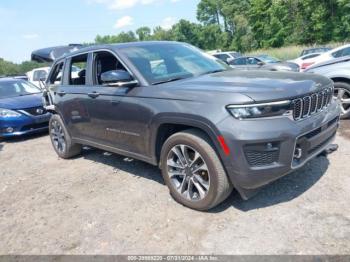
(58, 137)
(188, 172)
(343, 95)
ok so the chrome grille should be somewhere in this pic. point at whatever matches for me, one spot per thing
(308, 105)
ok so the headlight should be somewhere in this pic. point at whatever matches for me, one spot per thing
(8, 113)
(280, 108)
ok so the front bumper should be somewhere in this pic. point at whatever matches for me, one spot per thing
(263, 150)
(24, 124)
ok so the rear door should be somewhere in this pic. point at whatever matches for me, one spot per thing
(72, 96)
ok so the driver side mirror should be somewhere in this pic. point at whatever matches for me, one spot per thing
(261, 63)
(118, 78)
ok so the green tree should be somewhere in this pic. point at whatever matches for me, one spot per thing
(244, 25)
(208, 11)
(185, 31)
(143, 33)
(161, 34)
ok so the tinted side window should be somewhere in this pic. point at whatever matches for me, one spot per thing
(103, 62)
(252, 61)
(342, 52)
(310, 56)
(222, 57)
(240, 61)
(77, 70)
(57, 73)
(346, 52)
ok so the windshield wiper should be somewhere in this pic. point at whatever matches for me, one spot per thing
(169, 80)
(28, 94)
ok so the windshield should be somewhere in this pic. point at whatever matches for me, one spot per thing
(171, 62)
(268, 59)
(17, 88)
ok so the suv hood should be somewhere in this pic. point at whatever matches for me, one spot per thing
(258, 85)
(21, 102)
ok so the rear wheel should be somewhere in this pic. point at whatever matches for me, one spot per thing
(61, 140)
(193, 172)
(342, 92)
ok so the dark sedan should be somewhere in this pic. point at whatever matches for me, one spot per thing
(21, 109)
(263, 62)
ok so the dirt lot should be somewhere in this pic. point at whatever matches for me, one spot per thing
(104, 204)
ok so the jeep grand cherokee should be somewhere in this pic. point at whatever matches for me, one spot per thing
(209, 128)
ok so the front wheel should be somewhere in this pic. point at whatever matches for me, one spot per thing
(342, 93)
(193, 171)
(61, 140)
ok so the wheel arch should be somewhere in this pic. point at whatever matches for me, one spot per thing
(341, 79)
(166, 125)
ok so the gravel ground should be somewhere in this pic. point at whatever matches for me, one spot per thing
(101, 203)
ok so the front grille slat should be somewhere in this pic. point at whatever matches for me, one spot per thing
(313, 103)
(298, 108)
(307, 105)
(261, 158)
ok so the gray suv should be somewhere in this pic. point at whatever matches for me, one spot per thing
(208, 127)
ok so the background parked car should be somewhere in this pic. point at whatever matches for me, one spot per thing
(21, 109)
(334, 53)
(339, 71)
(314, 50)
(302, 61)
(263, 62)
(38, 75)
(227, 56)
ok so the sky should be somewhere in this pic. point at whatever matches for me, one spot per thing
(29, 25)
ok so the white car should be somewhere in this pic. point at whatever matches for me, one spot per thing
(38, 75)
(227, 56)
(303, 61)
(334, 53)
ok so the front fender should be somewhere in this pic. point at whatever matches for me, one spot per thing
(190, 120)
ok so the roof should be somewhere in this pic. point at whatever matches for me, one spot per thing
(116, 46)
(330, 62)
(226, 52)
(320, 47)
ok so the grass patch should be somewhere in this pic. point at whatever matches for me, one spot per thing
(288, 52)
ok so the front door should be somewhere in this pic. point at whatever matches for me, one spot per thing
(115, 111)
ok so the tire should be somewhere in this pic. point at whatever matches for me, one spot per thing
(61, 140)
(345, 88)
(213, 182)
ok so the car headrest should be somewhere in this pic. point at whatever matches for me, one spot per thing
(82, 73)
